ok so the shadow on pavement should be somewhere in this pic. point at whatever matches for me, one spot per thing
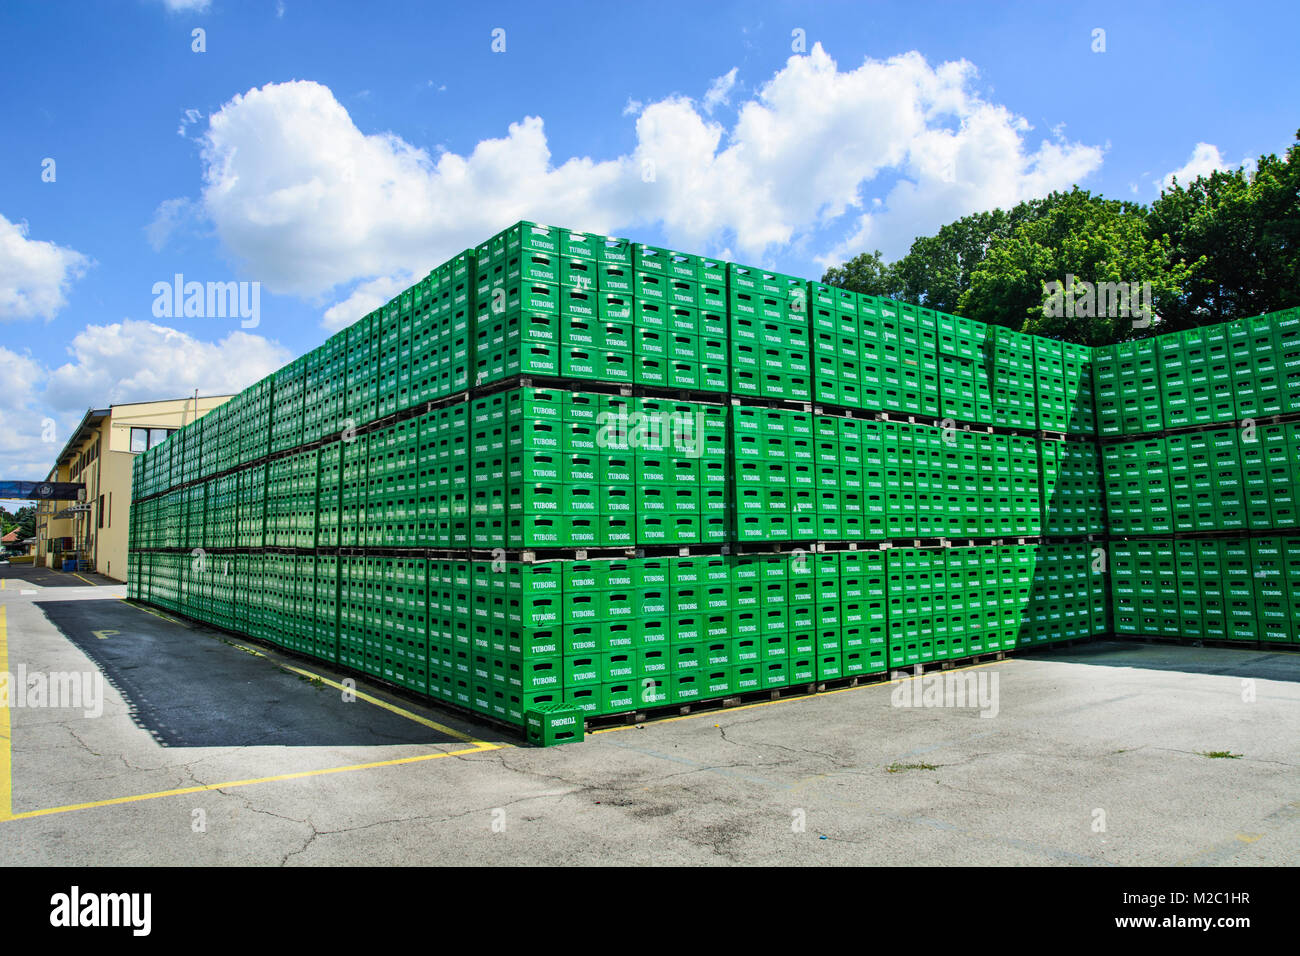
(1221, 661)
(45, 578)
(189, 690)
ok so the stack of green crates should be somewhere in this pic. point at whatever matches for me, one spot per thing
(769, 331)
(289, 388)
(517, 304)
(679, 324)
(1049, 383)
(1208, 588)
(560, 469)
(391, 494)
(1023, 390)
(1225, 479)
(326, 389)
(871, 352)
(775, 476)
(1169, 490)
(401, 502)
(904, 376)
(1248, 368)
(361, 372)
(839, 350)
(1073, 495)
(1080, 394)
(964, 391)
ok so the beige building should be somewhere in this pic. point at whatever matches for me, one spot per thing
(99, 455)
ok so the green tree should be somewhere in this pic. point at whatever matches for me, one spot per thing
(938, 269)
(24, 519)
(1096, 240)
(865, 273)
(1239, 235)
(1225, 246)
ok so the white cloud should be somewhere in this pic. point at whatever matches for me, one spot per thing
(22, 375)
(190, 117)
(719, 91)
(132, 361)
(23, 454)
(295, 188)
(953, 152)
(309, 202)
(632, 107)
(167, 218)
(365, 298)
(1204, 160)
(127, 361)
(34, 274)
(195, 6)
(813, 136)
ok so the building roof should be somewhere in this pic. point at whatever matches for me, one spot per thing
(10, 538)
(93, 417)
(161, 401)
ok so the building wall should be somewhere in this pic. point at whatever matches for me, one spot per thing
(47, 527)
(109, 475)
(82, 466)
(90, 475)
(115, 474)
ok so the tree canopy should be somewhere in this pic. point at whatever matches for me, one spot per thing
(1225, 246)
(24, 519)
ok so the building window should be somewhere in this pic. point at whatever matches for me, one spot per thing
(143, 439)
(101, 511)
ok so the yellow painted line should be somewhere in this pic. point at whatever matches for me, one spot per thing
(230, 784)
(153, 612)
(3, 582)
(87, 580)
(360, 695)
(6, 804)
(6, 760)
(792, 700)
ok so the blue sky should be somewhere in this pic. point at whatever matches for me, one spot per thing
(332, 151)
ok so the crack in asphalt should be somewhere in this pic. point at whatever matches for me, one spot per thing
(769, 745)
(582, 788)
(317, 832)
